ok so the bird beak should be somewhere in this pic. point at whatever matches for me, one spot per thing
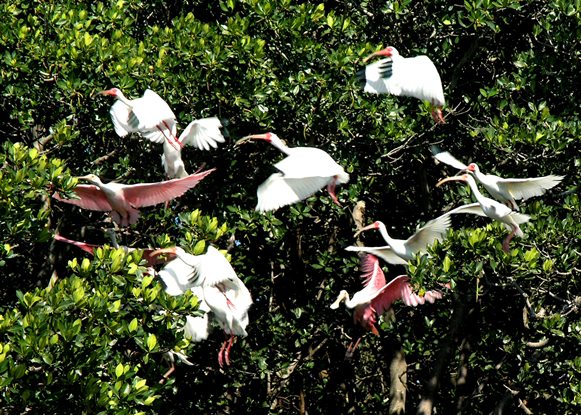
(170, 251)
(249, 138)
(368, 227)
(449, 179)
(106, 92)
(381, 52)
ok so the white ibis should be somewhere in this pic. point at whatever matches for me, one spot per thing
(123, 200)
(491, 208)
(414, 77)
(148, 115)
(377, 296)
(223, 292)
(303, 172)
(504, 190)
(400, 251)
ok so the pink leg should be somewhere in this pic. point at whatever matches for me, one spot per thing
(331, 190)
(221, 354)
(351, 349)
(227, 351)
(437, 116)
(174, 142)
(506, 242)
(168, 373)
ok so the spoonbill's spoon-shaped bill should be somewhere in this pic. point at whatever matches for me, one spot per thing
(414, 77)
(302, 173)
(123, 200)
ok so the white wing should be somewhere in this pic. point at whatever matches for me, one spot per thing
(383, 252)
(198, 328)
(450, 160)
(166, 130)
(120, 116)
(309, 162)
(203, 133)
(431, 231)
(177, 276)
(151, 110)
(278, 191)
(416, 77)
(527, 188)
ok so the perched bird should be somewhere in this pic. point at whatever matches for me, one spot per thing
(148, 115)
(491, 208)
(503, 190)
(123, 200)
(377, 296)
(303, 172)
(414, 77)
(400, 251)
(153, 119)
(222, 292)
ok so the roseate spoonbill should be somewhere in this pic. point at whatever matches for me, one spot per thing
(148, 115)
(400, 251)
(202, 134)
(504, 190)
(491, 208)
(377, 296)
(414, 77)
(303, 172)
(123, 200)
(224, 293)
(90, 248)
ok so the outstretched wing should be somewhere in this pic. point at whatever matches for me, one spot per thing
(148, 194)
(203, 133)
(89, 197)
(384, 252)
(527, 188)
(431, 231)
(450, 160)
(278, 191)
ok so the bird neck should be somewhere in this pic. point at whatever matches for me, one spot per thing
(474, 187)
(123, 99)
(343, 296)
(277, 142)
(385, 235)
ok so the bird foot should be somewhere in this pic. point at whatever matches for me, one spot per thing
(331, 190)
(167, 374)
(224, 353)
(437, 116)
(351, 349)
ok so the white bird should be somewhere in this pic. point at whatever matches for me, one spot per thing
(377, 296)
(415, 77)
(491, 208)
(400, 251)
(223, 292)
(504, 190)
(153, 119)
(123, 200)
(303, 172)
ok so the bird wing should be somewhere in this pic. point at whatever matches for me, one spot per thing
(120, 116)
(472, 208)
(384, 252)
(309, 162)
(90, 197)
(371, 272)
(450, 160)
(416, 77)
(203, 133)
(278, 191)
(148, 194)
(214, 269)
(426, 235)
(165, 130)
(90, 248)
(150, 110)
(390, 293)
(527, 188)
(177, 274)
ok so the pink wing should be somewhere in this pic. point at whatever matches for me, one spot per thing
(390, 293)
(148, 194)
(84, 246)
(90, 197)
(372, 273)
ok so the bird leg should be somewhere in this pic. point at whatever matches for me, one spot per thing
(437, 115)
(331, 190)
(351, 349)
(167, 374)
(506, 242)
(173, 140)
(224, 353)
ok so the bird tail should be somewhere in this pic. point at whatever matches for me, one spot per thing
(520, 218)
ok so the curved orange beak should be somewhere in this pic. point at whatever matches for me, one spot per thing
(461, 178)
(170, 251)
(366, 228)
(382, 52)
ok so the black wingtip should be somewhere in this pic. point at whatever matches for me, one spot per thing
(361, 77)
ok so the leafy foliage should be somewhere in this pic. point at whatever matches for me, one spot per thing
(508, 332)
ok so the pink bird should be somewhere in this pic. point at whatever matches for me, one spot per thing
(222, 293)
(377, 296)
(90, 249)
(303, 172)
(123, 200)
(415, 77)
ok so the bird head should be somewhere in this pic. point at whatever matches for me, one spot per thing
(114, 92)
(388, 51)
(472, 167)
(91, 178)
(461, 178)
(171, 252)
(268, 137)
(375, 225)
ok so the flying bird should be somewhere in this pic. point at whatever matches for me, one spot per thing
(491, 208)
(224, 294)
(414, 77)
(400, 251)
(123, 200)
(303, 172)
(503, 190)
(377, 296)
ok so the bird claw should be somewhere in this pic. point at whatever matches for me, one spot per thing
(437, 116)
(351, 349)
